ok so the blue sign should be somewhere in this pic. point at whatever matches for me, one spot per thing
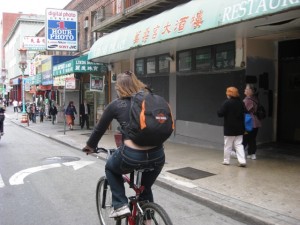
(61, 30)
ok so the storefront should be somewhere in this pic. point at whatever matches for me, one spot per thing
(210, 45)
(90, 84)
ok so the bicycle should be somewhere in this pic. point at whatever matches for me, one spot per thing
(142, 213)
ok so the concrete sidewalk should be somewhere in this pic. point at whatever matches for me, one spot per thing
(265, 192)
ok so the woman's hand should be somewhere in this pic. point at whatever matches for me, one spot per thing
(88, 150)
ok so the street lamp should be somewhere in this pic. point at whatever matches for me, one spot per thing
(23, 66)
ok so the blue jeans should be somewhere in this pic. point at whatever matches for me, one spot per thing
(126, 160)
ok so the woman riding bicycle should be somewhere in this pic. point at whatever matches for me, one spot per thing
(129, 156)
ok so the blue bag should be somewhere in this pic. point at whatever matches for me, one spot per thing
(248, 122)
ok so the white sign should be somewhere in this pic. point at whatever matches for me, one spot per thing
(34, 43)
(61, 30)
(70, 83)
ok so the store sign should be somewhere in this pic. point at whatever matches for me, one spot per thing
(192, 17)
(70, 83)
(61, 30)
(59, 81)
(97, 83)
(34, 43)
(47, 71)
(78, 65)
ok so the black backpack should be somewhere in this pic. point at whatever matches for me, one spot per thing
(260, 112)
(151, 121)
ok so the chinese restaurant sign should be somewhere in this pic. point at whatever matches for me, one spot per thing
(194, 16)
(34, 43)
(78, 65)
(61, 30)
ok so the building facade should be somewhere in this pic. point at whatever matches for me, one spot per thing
(210, 46)
(25, 25)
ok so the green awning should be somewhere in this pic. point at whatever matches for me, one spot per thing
(78, 65)
(192, 17)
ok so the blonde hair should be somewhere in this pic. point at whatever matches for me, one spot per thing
(128, 84)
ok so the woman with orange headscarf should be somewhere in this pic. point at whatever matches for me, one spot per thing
(233, 110)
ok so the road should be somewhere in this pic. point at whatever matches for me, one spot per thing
(45, 182)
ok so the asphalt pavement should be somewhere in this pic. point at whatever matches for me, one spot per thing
(266, 191)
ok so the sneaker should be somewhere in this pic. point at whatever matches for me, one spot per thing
(120, 212)
(253, 156)
(225, 163)
(242, 164)
(249, 156)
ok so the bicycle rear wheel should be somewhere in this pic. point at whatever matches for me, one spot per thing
(153, 214)
(104, 203)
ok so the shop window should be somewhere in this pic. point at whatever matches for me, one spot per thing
(203, 59)
(150, 66)
(225, 56)
(185, 61)
(154, 65)
(163, 64)
(207, 58)
(139, 67)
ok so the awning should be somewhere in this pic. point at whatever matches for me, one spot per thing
(186, 19)
(78, 65)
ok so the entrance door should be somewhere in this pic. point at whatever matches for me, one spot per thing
(289, 92)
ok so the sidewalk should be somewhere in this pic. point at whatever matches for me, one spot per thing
(265, 192)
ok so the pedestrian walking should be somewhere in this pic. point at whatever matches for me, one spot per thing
(15, 104)
(251, 104)
(70, 113)
(53, 113)
(232, 110)
(84, 113)
(2, 117)
(42, 113)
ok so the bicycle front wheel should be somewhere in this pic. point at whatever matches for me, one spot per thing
(104, 202)
(153, 214)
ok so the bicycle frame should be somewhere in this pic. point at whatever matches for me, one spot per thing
(138, 189)
(140, 211)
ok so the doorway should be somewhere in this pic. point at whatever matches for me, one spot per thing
(289, 92)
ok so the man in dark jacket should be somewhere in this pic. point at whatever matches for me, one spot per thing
(233, 110)
(84, 112)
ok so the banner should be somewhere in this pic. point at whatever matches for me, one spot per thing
(61, 30)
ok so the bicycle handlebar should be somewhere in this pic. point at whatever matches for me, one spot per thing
(105, 150)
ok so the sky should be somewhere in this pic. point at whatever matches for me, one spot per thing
(31, 6)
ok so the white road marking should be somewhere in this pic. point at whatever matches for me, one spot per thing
(1, 182)
(78, 164)
(18, 178)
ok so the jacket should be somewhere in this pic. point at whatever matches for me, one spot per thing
(233, 111)
(251, 107)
